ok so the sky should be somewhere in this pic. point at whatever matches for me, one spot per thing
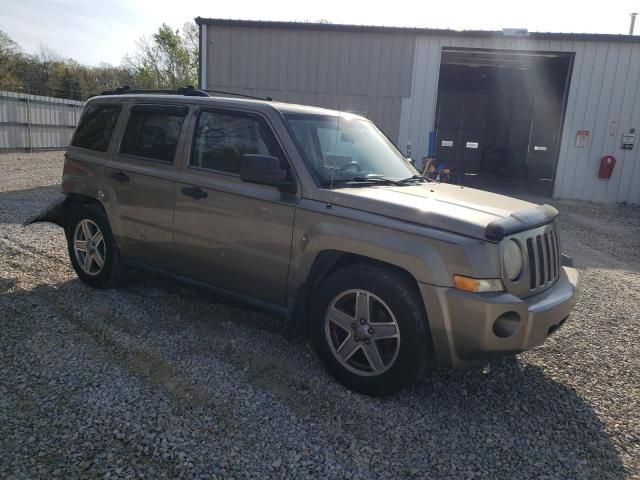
(95, 32)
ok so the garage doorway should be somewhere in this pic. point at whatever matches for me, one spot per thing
(499, 118)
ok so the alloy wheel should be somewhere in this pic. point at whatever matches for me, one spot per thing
(362, 332)
(89, 247)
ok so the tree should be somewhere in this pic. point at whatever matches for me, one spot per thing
(7, 45)
(168, 59)
(191, 36)
(64, 81)
(9, 50)
(108, 77)
(49, 61)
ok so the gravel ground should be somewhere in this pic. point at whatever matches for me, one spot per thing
(156, 380)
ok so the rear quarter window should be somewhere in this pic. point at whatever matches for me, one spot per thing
(96, 127)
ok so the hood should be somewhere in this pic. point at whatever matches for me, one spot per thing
(462, 210)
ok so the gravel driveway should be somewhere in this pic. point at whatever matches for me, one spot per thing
(157, 380)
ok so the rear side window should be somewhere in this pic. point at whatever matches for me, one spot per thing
(96, 127)
(153, 131)
(221, 139)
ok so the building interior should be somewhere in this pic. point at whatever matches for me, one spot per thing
(499, 118)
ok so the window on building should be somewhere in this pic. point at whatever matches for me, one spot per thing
(153, 132)
(96, 127)
(221, 139)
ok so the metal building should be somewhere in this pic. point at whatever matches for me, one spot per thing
(511, 111)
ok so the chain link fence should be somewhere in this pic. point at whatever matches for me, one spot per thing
(34, 122)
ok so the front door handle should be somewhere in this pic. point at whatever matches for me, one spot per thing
(120, 177)
(194, 192)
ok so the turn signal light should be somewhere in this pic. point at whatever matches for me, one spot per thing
(478, 284)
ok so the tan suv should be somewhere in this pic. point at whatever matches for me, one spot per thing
(316, 215)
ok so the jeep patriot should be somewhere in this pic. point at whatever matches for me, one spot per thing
(316, 215)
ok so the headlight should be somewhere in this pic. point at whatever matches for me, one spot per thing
(512, 259)
(477, 285)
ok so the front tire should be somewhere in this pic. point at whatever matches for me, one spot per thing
(369, 327)
(92, 249)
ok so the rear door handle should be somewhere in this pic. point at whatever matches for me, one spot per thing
(120, 177)
(194, 192)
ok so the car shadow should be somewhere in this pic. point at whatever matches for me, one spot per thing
(17, 206)
(513, 413)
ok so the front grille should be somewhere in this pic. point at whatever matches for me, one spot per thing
(544, 259)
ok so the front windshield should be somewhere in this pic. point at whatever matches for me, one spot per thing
(349, 148)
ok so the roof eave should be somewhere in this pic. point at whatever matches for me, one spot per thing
(417, 30)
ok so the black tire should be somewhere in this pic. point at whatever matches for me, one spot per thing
(400, 295)
(113, 271)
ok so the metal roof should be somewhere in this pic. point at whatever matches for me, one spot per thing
(593, 37)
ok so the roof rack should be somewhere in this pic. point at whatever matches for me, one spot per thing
(223, 92)
(189, 91)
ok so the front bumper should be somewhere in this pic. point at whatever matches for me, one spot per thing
(463, 324)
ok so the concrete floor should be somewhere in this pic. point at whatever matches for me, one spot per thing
(511, 186)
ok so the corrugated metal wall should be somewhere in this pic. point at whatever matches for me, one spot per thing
(392, 78)
(36, 122)
(605, 88)
(368, 73)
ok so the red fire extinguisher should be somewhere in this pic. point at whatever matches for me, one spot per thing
(606, 166)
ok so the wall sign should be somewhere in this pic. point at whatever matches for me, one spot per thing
(582, 138)
(447, 143)
(472, 145)
(628, 139)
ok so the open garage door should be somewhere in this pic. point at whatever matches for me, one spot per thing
(499, 117)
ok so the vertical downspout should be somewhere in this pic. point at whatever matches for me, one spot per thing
(74, 121)
(29, 124)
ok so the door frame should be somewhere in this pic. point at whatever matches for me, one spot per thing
(138, 165)
(187, 148)
(229, 183)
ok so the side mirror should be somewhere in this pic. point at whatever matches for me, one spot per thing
(266, 170)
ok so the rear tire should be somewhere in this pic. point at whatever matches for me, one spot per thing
(93, 251)
(369, 327)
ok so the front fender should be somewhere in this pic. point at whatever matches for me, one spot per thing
(430, 256)
(410, 254)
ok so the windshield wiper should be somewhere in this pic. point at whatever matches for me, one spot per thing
(389, 181)
(413, 178)
(361, 182)
(377, 180)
